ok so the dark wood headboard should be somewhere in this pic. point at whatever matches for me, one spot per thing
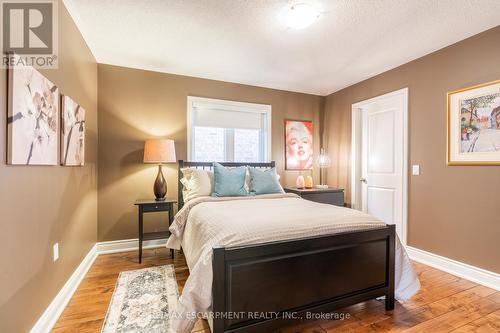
(209, 166)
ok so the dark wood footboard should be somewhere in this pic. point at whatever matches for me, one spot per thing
(261, 287)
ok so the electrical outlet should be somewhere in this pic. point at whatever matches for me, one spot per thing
(56, 251)
(415, 170)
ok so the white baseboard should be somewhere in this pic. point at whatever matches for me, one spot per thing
(128, 245)
(471, 273)
(49, 318)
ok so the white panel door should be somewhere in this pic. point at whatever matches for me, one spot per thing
(382, 153)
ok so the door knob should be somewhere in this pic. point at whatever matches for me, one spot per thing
(362, 180)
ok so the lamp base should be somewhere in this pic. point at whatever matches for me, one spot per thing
(160, 186)
(321, 186)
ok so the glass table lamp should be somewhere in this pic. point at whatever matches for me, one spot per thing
(323, 162)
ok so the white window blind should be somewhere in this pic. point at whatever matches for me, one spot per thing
(220, 130)
(227, 119)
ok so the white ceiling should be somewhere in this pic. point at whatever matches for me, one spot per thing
(243, 41)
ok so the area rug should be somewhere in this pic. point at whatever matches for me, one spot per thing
(142, 301)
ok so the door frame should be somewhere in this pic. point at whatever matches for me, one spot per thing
(356, 142)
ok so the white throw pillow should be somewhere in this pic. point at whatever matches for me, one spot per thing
(196, 183)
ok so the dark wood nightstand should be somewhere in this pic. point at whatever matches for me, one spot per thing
(331, 195)
(151, 205)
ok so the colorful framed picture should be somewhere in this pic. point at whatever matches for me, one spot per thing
(298, 144)
(72, 133)
(33, 118)
(474, 125)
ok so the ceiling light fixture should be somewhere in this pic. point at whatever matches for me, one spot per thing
(299, 15)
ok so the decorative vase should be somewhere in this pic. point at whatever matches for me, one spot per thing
(308, 182)
(300, 182)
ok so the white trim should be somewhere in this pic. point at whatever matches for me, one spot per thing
(355, 157)
(125, 245)
(356, 151)
(50, 316)
(471, 273)
(189, 125)
(233, 106)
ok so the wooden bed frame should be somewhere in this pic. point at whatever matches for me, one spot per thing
(261, 287)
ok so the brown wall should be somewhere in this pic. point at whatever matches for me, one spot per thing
(44, 205)
(454, 211)
(135, 105)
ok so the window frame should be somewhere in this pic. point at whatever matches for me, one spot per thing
(264, 109)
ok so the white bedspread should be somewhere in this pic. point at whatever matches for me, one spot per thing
(207, 222)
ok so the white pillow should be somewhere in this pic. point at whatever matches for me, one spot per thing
(196, 183)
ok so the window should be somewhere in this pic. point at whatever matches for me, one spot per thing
(228, 131)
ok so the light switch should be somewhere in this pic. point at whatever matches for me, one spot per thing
(56, 251)
(415, 170)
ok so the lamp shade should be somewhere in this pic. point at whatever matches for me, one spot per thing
(159, 151)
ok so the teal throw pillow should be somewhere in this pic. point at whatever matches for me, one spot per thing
(264, 181)
(229, 181)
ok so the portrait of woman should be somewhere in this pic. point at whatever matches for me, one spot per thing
(298, 145)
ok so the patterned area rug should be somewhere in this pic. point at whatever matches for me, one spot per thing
(142, 301)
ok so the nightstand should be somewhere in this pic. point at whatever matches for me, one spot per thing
(331, 195)
(148, 206)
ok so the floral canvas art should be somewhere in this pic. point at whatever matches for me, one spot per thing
(33, 118)
(474, 125)
(72, 133)
(298, 145)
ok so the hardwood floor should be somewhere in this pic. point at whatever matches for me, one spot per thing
(445, 303)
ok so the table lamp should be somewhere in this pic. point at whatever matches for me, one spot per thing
(323, 162)
(159, 151)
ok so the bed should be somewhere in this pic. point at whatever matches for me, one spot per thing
(259, 263)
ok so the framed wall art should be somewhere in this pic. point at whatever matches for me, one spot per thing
(298, 144)
(33, 118)
(474, 125)
(72, 133)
